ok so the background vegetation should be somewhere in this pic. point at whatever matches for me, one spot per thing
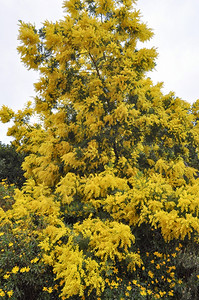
(10, 165)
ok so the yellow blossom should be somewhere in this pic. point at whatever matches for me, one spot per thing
(34, 260)
(162, 293)
(158, 254)
(15, 270)
(6, 276)
(2, 293)
(180, 281)
(25, 269)
(150, 274)
(170, 293)
(143, 293)
(10, 293)
(158, 266)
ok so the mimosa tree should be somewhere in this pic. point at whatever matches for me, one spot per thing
(111, 166)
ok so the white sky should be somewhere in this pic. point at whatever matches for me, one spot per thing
(174, 22)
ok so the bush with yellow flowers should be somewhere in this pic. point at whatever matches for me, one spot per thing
(22, 272)
(111, 167)
(6, 194)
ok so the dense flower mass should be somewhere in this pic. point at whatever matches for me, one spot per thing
(109, 208)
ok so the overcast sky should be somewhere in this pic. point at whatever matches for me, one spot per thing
(175, 24)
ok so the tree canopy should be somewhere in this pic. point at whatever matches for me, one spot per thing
(112, 164)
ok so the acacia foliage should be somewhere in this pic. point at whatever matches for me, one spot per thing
(112, 164)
